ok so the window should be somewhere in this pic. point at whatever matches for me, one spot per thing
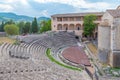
(71, 19)
(65, 19)
(59, 19)
(78, 18)
(99, 18)
(54, 18)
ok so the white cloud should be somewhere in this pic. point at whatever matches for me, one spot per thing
(24, 2)
(5, 7)
(16, 6)
(26, 7)
(80, 3)
(44, 13)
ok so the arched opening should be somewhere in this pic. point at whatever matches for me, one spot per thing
(59, 27)
(71, 27)
(78, 27)
(65, 27)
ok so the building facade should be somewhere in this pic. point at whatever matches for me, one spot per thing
(73, 22)
(109, 43)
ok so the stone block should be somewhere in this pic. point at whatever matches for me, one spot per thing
(103, 55)
(116, 59)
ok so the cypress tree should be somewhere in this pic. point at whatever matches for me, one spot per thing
(34, 28)
(2, 27)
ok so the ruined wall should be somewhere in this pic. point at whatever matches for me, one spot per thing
(115, 38)
(108, 17)
(115, 62)
(115, 43)
(104, 38)
(103, 43)
(109, 39)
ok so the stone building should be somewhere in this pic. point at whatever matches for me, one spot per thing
(109, 38)
(108, 29)
(73, 22)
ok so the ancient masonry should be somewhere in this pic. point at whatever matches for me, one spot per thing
(109, 38)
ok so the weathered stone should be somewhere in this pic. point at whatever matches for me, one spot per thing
(116, 59)
(103, 55)
(115, 73)
(103, 43)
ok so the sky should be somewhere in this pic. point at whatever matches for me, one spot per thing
(37, 8)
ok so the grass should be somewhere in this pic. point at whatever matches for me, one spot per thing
(61, 64)
(16, 42)
(116, 69)
(92, 48)
(6, 40)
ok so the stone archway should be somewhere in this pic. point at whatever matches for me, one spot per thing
(71, 27)
(78, 27)
(65, 27)
(59, 27)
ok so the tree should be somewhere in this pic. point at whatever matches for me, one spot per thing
(34, 28)
(2, 27)
(42, 26)
(89, 25)
(45, 26)
(11, 29)
(10, 22)
(21, 26)
(26, 28)
(49, 25)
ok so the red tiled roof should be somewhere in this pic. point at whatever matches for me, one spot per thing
(78, 14)
(76, 55)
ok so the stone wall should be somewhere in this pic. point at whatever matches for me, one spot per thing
(103, 43)
(115, 43)
(108, 78)
(115, 38)
(108, 17)
(116, 59)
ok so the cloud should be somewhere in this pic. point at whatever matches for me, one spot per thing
(17, 6)
(50, 7)
(80, 3)
(45, 13)
(5, 7)
(24, 2)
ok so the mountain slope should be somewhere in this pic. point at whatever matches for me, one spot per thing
(8, 16)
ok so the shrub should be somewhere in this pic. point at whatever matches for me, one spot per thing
(11, 29)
